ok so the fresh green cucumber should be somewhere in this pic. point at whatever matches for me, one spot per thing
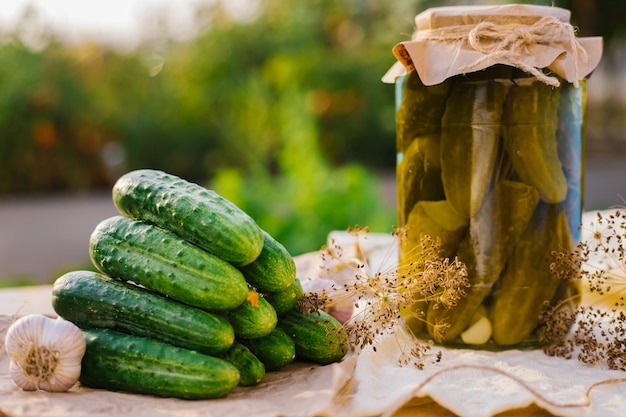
(196, 214)
(251, 368)
(276, 350)
(287, 299)
(254, 318)
(118, 361)
(273, 270)
(318, 336)
(92, 300)
(132, 250)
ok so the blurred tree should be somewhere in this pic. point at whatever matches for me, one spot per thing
(332, 50)
(305, 198)
(49, 138)
(217, 102)
(297, 97)
(598, 17)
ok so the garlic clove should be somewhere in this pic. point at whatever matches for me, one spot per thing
(21, 379)
(44, 353)
(478, 333)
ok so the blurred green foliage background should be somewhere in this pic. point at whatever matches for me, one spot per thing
(283, 112)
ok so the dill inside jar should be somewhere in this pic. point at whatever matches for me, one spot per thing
(490, 166)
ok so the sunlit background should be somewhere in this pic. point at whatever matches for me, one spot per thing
(277, 104)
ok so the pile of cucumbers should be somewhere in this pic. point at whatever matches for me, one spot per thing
(191, 298)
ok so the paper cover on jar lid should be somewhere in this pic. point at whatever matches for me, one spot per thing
(459, 39)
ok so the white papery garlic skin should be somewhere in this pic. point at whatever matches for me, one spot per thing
(342, 310)
(44, 353)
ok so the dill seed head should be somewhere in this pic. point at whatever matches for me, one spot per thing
(596, 333)
(380, 295)
(419, 354)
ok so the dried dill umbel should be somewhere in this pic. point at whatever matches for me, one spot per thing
(594, 329)
(378, 295)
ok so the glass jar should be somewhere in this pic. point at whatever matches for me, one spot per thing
(490, 166)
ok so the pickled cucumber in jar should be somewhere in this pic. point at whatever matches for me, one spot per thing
(470, 136)
(418, 121)
(530, 122)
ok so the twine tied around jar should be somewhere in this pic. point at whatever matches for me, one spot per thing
(509, 41)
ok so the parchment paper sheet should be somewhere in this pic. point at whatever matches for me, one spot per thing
(469, 383)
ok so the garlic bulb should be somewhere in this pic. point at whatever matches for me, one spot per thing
(44, 353)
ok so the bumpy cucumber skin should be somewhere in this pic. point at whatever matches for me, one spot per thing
(191, 211)
(318, 337)
(132, 250)
(254, 318)
(276, 350)
(118, 361)
(273, 270)
(251, 368)
(92, 300)
(287, 299)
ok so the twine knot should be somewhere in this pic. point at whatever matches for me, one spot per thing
(510, 41)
